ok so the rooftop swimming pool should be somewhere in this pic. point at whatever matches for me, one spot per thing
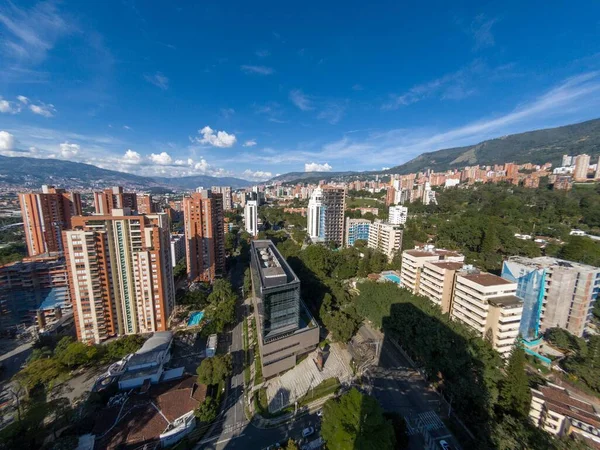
(195, 318)
(392, 277)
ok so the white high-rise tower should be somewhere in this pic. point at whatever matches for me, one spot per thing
(251, 217)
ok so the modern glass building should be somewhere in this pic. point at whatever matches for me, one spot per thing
(356, 229)
(285, 327)
(530, 281)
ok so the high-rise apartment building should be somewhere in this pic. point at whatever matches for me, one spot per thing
(487, 303)
(398, 215)
(45, 215)
(251, 217)
(385, 237)
(226, 192)
(145, 204)
(356, 229)
(120, 274)
(437, 282)
(204, 236)
(177, 248)
(567, 161)
(285, 328)
(414, 260)
(326, 214)
(555, 293)
(29, 285)
(597, 174)
(582, 164)
(114, 198)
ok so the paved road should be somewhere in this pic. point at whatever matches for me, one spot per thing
(252, 438)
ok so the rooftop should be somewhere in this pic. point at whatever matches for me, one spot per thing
(506, 301)
(150, 351)
(563, 402)
(273, 268)
(548, 261)
(146, 416)
(485, 279)
(447, 265)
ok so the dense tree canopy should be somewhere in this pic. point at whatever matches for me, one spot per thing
(215, 369)
(355, 421)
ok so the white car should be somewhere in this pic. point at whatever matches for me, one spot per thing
(307, 432)
(320, 413)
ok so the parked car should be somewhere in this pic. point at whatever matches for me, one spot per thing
(307, 432)
(320, 413)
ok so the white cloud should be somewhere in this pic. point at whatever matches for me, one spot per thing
(332, 112)
(126, 127)
(7, 141)
(46, 110)
(7, 107)
(250, 143)
(258, 175)
(226, 113)
(481, 31)
(221, 139)
(30, 34)
(262, 53)
(315, 167)
(301, 100)
(158, 80)
(260, 70)
(162, 159)
(132, 157)
(202, 166)
(23, 99)
(69, 151)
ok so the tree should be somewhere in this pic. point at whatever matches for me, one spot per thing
(291, 445)
(515, 395)
(207, 411)
(77, 354)
(213, 370)
(354, 422)
(400, 431)
(247, 282)
(341, 325)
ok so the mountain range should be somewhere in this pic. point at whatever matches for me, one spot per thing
(22, 171)
(537, 147)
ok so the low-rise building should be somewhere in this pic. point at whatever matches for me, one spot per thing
(558, 411)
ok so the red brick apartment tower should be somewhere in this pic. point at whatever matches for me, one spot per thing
(204, 236)
(45, 215)
(114, 198)
(120, 274)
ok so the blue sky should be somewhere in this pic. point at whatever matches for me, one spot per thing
(254, 89)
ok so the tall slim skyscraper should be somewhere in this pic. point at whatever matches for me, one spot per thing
(204, 236)
(114, 198)
(120, 274)
(45, 215)
(251, 217)
(326, 215)
(597, 174)
(582, 163)
(226, 191)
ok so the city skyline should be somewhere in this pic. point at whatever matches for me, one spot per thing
(186, 98)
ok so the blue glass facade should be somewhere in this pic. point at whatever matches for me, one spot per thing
(530, 288)
(358, 231)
